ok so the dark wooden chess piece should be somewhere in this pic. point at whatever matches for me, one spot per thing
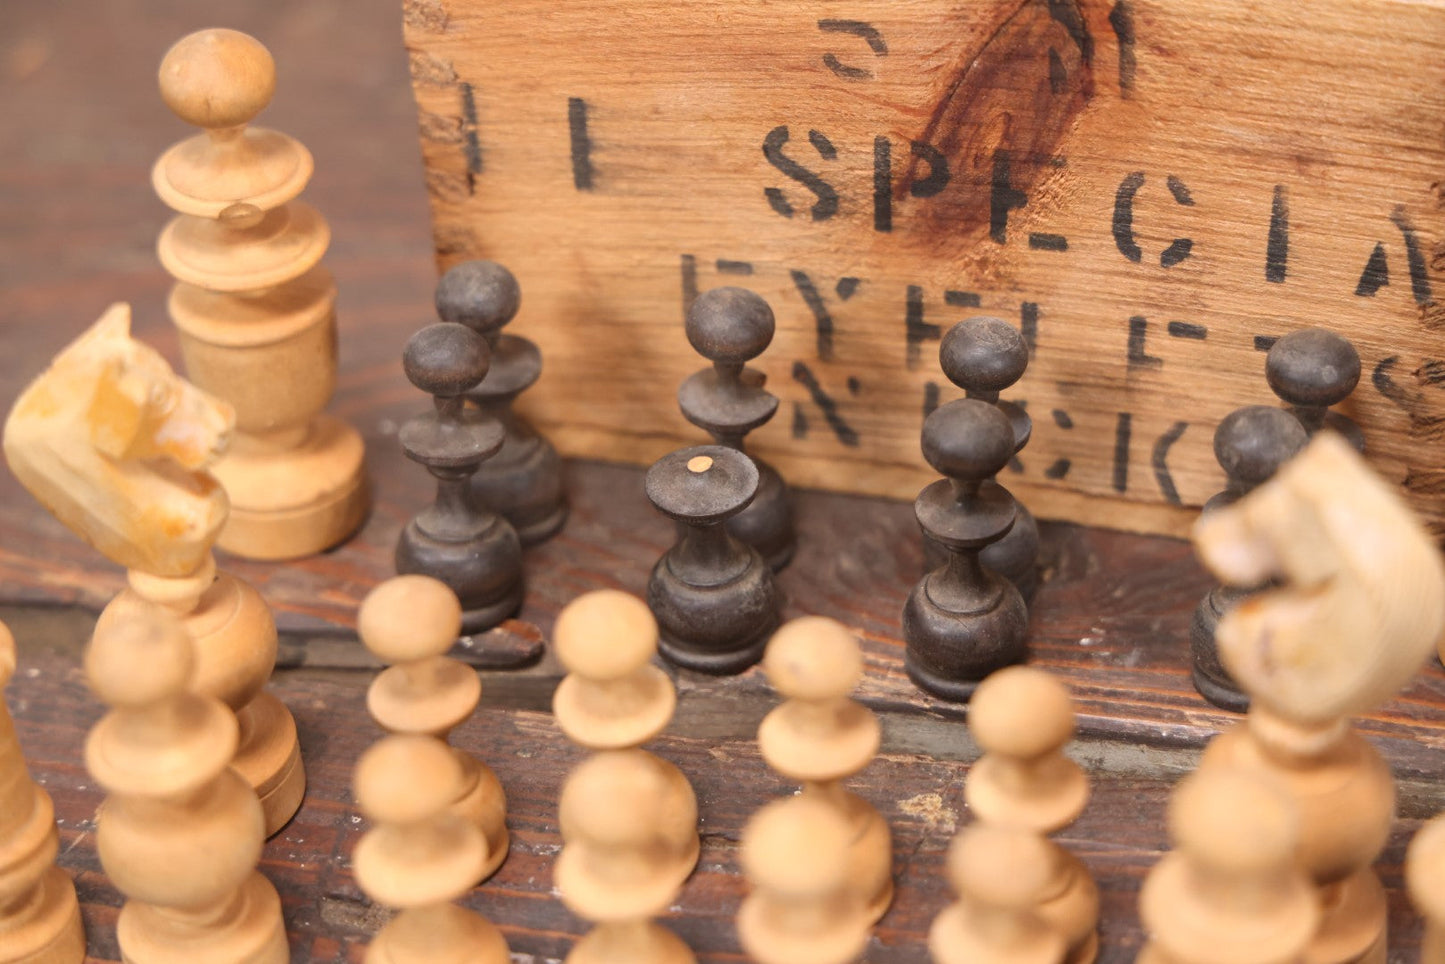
(472, 549)
(963, 621)
(1250, 444)
(713, 596)
(730, 327)
(1310, 370)
(983, 356)
(523, 481)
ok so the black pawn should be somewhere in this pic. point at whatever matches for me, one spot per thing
(730, 327)
(523, 481)
(1311, 370)
(1250, 444)
(713, 596)
(984, 356)
(473, 550)
(963, 621)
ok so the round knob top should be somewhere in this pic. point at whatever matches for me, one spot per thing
(797, 846)
(730, 324)
(141, 659)
(1234, 820)
(217, 78)
(968, 439)
(703, 484)
(446, 359)
(1006, 867)
(605, 635)
(409, 618)
(482, 295)
(1251, 443)
(813, 658)
(615, 799)
(983, 354)
(406, 778)
(1313, 367)
(1021, 712)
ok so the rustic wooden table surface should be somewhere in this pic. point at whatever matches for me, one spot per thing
(82, 123)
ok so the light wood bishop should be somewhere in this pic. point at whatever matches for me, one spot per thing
(1425, 877)
(1001, 875)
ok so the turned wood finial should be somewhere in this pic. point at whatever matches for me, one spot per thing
(217, 78)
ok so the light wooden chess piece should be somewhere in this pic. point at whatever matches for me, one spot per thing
(802, 908)
(1232, 891)
(116, 447)
(1022, 718)
(820, 737)
(1001, 875)
(614, 698)
(1425, 877)
(1359, 605)
(39, 915)
(618, 866)
(410, 622)
(420, 855)
(181, 832)
(256, 311)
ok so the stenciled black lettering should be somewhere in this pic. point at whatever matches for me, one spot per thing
(1137, 356)
(930, 398)
(1419, 279)
(1041, 241)
(582, 173)
(1183, 329)
(857, 28)
(1058, 74)
(917, 331)
(1029, 325)
(1159, 460)
(471, 140)
(1123, 426)
(1124, 216)
(822, 318)
(1276, 250)
(841, 429)
(725, 266)
(1121, 18)
(1003, 197)
(882, 185)
(938, 175)
(1376, 274)
(826, 204)
(962, 299)
(689, 284)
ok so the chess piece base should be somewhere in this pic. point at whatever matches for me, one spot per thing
(835, 939)
(255, 934)
(54, 935)
(523, 483)
(1210, 677)
(485, 571)
(767, 522)
(1353, 928)
(484, 803)
(440, 934)
(1015, 556)
(630, 942)
(718, 629)
(954, 938)
(269, 758)
(949, 653)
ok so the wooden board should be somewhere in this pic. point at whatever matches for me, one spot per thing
(1151, 189)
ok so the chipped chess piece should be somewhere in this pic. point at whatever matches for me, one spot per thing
(39, 914)
(1000, 875)
(983, 356)
(1250, 444)
(420, 855)
(802, 909)
(963, 621)
(470, 548)
(730, 327)
(409, 623)
(181, 832)
(713, 596)
(117, 447)
(1310, 370)
(1231, 891)
(619, 867)
(523, 481)
(255, 309)
(820, 737)
(1358, 607)
(1425, 878)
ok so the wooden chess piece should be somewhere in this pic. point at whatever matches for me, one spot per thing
(181, 832)
(256, 311)
(730, 327)
(116, 447)
(523, 481)
(1425, 877)
(963, 621)
(802, 909)
(1250, 444)
(613, 698)
(819, 737)
(619, 867)
(420, 855)
(713, 596)
(470, 548)
(1359, 606)
(39, 915)
(1022, 718)
(1310, 370)
(1000, 875)
(984, 356)
(1231, 892)
(409, 623)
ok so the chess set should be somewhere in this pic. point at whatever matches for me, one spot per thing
(1330, 598)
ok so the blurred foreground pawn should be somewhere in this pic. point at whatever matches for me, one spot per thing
(1000, 875)
(419, 856)
(802, 908)
(39, 915)
(730, 327)
(469, 547)
(963, 621)
(409, 623)
(713, 596)
(1231, 891)
(1022, 718)
(523, 481)
(181, 832)
(1250, 444)
(618, 866)
(1310, 370)
(820, 737)
(256, 311)
(1425, 877)
(1358, 607)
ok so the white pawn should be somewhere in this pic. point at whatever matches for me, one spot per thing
(1000, 875)
(1425, 876)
